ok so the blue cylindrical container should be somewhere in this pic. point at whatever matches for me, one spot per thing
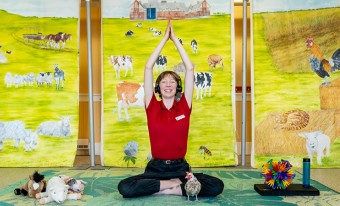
(306, 172)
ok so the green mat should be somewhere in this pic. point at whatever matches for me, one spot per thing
(101, 189)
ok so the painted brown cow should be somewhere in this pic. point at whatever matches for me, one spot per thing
(129, 94)
(213, 60)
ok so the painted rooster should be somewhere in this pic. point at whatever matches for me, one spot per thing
(192, 186)
(319, 64)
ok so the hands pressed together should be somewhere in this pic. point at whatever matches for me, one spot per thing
(169, 32)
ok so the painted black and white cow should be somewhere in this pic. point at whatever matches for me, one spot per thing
(161, 63)
(157, 33)
(203, 84)
(129, 33)
(194, 46)
(139, 25)
(152, 29)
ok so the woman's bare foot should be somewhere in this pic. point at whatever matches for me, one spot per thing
(171, 191)
(170, 187)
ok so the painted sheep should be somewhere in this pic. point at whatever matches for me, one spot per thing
(31, 140)
(316, 142)
(16, 130)
(44, 77)
(8, 79)
(59, 128)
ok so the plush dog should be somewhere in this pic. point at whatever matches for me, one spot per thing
(35, 185)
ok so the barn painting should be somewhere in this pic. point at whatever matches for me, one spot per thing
(38, 83)
(211, 134)
(154, 9)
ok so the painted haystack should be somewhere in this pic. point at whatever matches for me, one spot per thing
(278, 132)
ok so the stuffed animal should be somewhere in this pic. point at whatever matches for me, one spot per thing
(76, 185)
(35, 185)
(58, 191)
(192, 186)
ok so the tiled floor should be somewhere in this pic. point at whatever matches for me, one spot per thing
(328, 177)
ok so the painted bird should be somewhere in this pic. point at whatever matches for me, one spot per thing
(319, 64)
(192, 186)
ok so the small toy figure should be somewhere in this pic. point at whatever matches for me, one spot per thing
(192, 186)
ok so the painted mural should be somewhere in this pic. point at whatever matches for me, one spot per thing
(131, 30)
(296, 78)
(38, 83)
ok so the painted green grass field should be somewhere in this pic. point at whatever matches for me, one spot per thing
(33, 104)
(211, 120)
(283, 79)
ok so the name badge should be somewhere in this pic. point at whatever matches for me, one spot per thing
(180, 117)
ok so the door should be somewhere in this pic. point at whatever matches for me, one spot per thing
(151, 13)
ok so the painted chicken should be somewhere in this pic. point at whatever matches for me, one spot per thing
(192, 186)
(319, 64)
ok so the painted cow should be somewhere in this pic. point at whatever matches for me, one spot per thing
(123, 62)
(129, 94)
(194, 46)
(203, 84)
(157, 33)
(213, 60)
(129, 33)
(152, 29)
(161, 63)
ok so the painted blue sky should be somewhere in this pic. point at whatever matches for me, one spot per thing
(120, 8)
(287, 5)
(42, 8)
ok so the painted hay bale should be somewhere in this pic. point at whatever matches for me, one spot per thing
(329, 95)
(273, 137)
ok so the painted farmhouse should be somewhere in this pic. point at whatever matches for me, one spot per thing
(155, 9)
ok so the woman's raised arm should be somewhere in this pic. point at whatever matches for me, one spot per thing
(148, 71)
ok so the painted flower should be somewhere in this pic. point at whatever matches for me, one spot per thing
(130, 150)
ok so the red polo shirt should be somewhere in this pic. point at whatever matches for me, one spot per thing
(168, 129)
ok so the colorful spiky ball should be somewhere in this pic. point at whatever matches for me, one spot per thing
(278, 175)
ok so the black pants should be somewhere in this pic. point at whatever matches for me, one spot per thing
(148, 183)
